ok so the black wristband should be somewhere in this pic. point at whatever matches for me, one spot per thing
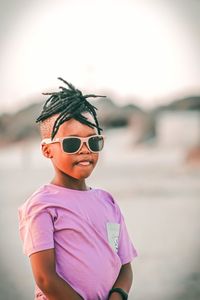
(120, 291)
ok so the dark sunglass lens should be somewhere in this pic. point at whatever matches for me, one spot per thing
(96, 143)
(71, 145)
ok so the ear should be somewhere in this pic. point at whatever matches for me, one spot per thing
(46, 151)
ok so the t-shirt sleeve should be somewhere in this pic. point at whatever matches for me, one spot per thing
(36, 231)
(126, 250)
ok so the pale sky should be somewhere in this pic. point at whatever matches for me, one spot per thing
(147, 50)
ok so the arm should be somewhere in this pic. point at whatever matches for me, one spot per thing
(53, 286)
(124, 281)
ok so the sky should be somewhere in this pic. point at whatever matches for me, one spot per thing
(145, 51)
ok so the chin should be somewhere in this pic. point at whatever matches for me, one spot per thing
(83, 176)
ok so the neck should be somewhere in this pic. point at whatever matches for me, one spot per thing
(70, 182)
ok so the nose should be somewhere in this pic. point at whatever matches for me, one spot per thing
(84, 149)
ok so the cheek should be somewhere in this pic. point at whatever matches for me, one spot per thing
(95, 157)
(62, 160)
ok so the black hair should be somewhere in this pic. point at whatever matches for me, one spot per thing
(68, 103)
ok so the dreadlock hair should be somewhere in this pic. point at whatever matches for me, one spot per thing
(66, 104)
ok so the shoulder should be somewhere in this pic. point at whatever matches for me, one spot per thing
(109, 202)
(107, 196)
(38, 201)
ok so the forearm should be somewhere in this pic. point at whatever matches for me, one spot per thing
(124, 281)
(55, 288)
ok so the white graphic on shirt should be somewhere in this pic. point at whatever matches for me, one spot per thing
(113, 235)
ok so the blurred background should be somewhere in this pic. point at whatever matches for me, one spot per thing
(144, 55)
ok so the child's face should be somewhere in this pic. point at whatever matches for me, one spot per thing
(69, 163)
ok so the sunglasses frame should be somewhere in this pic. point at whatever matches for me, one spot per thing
(83, 140)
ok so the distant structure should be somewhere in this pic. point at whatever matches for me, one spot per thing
(178, 128)
(142, 125)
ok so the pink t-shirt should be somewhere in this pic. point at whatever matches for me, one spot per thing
(88, 232)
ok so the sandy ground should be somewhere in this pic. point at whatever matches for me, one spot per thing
(158, 196)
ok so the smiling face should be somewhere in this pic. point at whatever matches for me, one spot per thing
(67, 166)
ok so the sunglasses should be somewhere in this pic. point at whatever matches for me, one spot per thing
(72, 144)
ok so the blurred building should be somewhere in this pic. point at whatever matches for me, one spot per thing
(178, 128)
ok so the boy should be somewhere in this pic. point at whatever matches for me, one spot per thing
(74, 235)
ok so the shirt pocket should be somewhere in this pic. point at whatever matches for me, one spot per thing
(113, 230)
